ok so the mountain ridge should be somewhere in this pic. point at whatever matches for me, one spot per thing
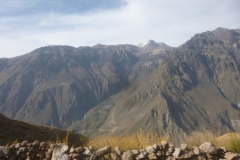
(118, 89)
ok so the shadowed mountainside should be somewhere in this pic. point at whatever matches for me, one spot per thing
(57, 85)
(12, 130)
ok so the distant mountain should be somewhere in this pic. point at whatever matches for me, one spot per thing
(119, 89)
(57, 85)
(12, 130)
(197, 86)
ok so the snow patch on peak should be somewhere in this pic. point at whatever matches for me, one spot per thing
(150, 42)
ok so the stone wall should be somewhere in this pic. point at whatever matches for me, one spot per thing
(164, 151)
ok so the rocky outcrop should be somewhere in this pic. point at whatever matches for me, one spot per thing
(164, 151)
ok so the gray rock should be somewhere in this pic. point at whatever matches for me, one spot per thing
(143, 154)
(231, 156)
(79, 150)
(187, 154)
(152, 156)
(72, 150)
(93, 156)
(170, 144)
(102, 151)
(177, 153)
(87, 152)
(36, 143)
(135, 152)
(127, 155)
(184, 147)
(12, 146)
(118, 151)
(164, 144)
(150, 149)
(18, 145)
(158, 153)
(114, 156)
(210, 156)
(168, 153)
(202, 156)
(155, 146)
(76, 156)
(43, 144)
(171, 149)
(207, 147)
(4, 151)
(196, 150)
(24, 143)
(59, 152)
(22, 149)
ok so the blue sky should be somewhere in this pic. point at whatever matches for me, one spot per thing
(29, 24)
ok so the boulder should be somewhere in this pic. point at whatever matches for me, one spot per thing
(93, 156)
(231, 156)
(158, 153)
(87, 152)
(164, 144)
(36, 143)
(127, 155)
(155, 146)
(4, 151)
(143, 154)
(208, 147)
(59, 152)
(152, 156)
(76, 156)
(150, 149)
(18, 145)
(177, 153)
(114, 156)
(135, 152)
(118, 151)
(196, 150)
(184, 147)
(102, 151)
(79, 150)
(22, 149)
(24, 143)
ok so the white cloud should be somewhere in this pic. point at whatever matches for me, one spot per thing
(172, 22)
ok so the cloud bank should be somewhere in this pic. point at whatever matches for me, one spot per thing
(26, 25)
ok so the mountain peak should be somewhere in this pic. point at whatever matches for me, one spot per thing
(148, 43)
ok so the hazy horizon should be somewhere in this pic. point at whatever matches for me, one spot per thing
(26, 25)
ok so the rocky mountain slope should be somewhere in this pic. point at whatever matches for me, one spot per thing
(57, 85)
(14, 130)
(196, 87)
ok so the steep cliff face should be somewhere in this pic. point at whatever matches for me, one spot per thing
(196, 87)
(57, 85)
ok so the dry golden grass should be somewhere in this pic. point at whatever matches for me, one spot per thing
(128, 142)
(230, 140)
(199, 137)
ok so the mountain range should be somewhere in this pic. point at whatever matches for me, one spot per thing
(120, 89)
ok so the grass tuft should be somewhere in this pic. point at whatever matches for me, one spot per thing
(128, 142)
(231, 141)
(197, 138)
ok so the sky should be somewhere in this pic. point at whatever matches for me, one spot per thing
(29, 24)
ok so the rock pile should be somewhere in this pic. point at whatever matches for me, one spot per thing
(164, 151)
